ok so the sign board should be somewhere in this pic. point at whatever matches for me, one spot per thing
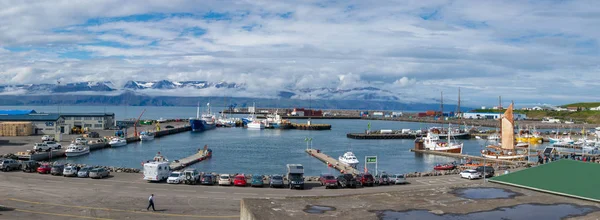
(371, 159)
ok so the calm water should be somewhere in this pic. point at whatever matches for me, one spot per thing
(239, 150)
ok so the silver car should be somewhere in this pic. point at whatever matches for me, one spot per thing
(70, 171)
(84, 172)
(276, 181)
(98, 173)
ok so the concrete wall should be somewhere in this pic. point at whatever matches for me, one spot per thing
(44, 127)
(245, 213)
(91, 122)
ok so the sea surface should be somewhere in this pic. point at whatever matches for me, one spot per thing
(239, 150)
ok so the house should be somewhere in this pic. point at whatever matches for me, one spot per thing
(572, 109)
(490, 115)
(595, 109)
(537, 108)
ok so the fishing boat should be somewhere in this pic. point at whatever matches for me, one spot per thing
(117, 142)
(77, 149)
(432, 142)
(146, 136)
(275, 121)
(508, 150)
(206, 122)
(250, 117)
(256, 124)
(349, 159)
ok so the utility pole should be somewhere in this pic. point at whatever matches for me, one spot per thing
(458, 107)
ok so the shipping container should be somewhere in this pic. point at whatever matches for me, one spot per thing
(387, 131)
(422, 114)
(430, 113)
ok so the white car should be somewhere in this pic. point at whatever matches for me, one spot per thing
(224, 180)
(70, 171)
(47, 138)
(39, 147)
(470, 174)
(175, 178)
(53, 144)
(398, 179)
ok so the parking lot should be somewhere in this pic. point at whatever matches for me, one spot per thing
(124, 195)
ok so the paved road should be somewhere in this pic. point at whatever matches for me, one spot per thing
(32, 196)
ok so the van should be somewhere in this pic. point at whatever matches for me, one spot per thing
(156, 171)
(489, 171)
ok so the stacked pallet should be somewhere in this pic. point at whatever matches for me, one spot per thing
(16, 128)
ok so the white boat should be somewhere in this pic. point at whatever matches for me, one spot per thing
(494, 137)
(161, 120)
(432, 142)
(508, 150)
(77, 149)
(256, 124)
(117, 142)
(146, 136)
(80, 141)
(349, 159)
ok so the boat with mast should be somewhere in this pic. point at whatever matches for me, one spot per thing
(507, 150)
(432, 140)
(206, 122)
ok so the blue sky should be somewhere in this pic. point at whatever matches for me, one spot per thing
(527, 51)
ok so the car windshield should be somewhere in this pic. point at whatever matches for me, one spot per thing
(257, 177)
(239, 178)
(384, 176)
(67, 168)
(224, 177)
(329, 177)
(175, 175)
(277, 178)
(84, 169)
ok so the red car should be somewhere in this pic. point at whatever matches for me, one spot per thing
(44, 169)
(240, 180)
(365, 179)
(328, 180)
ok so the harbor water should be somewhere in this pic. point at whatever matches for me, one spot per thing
(240, 150)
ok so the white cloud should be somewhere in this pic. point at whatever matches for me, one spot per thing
(549, 49)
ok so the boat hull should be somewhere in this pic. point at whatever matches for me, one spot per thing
(201, 125)
(117, 144)
(448, 150)
(76, 154)
(352, 164)
(505, 157)
(455, 136)
(146, 138)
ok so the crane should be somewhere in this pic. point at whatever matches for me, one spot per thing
(136, 123)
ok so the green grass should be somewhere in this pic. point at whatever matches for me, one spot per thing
(583, 104)
(569, 177)
(592, 117)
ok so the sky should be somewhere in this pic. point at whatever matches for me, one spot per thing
(527, 51)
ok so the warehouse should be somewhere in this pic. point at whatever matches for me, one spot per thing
(491, 115)
(33, 123)
(90, 121)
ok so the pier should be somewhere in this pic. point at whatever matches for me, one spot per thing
(192, 159)
(463, 156)
(311, 126)
(331, 161)
(42, 156)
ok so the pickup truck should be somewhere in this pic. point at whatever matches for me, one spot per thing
(9, 164)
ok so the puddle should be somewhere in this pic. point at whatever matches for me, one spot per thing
(485, 193)
(523, 211)
(317, 209)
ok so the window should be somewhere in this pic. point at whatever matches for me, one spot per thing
(76, 118)
(87, 125)
(98, 126)
(98, 118)
(68, 118)
(87, 118)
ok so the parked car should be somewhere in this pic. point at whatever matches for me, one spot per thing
(365, 179)
(207, 179)
(39, 147)
(489, 171)
(276, 181)
(347, 180)
(98, 173)
(47, 138)
(84, 172)
(44, 169)
(257, 181)
(175, 178)
(240, 180)
(398, 179)
(191, 176)
(382, 179)
(9, 164)
(53, 144)
(470, 174)
(328, 181)
(57, 169)
(70, 171)
(169, 127)
(93, 134)
(29, 166)
(224, 180)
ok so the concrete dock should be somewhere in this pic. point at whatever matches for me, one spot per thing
(192, 159)
(311, 126)
(331, 161)
(44, 156)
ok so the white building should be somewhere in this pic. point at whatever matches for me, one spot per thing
(490, 115)
(595, 109)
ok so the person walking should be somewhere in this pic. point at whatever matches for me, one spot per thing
(151, 202)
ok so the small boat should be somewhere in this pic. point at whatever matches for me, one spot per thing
(80, 141)
(493, 137)
(477, 137)
(117, 142)
(146, 136)
(444, 167)
(256, 124)
(77, 149)
(349, 159)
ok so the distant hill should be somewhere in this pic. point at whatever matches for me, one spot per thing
(583, 104)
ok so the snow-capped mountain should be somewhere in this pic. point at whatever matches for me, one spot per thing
(200, 88)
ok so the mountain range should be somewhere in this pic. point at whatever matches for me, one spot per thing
(188, 93)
